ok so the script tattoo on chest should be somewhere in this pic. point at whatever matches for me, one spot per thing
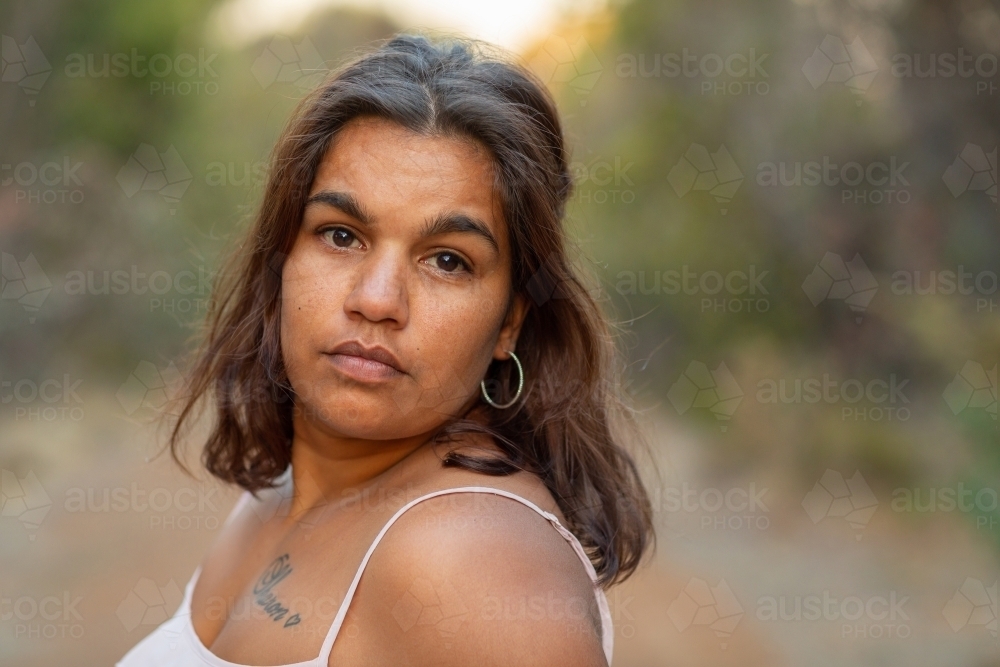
(265, 597)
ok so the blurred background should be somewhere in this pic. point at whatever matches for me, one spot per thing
(791, 207)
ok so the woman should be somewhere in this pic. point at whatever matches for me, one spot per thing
(401, 343)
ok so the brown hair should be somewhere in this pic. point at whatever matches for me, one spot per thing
(567, 428)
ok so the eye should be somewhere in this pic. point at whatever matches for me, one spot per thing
(449, 262)
(340, 237)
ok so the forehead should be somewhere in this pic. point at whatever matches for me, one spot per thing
(393, 171)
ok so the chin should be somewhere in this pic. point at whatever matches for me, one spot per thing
(379, 420)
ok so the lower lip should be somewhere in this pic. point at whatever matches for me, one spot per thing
(364, 370)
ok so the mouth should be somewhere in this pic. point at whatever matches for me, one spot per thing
(365, 364)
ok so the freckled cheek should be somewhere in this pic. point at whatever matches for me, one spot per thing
(311, 302)
(456, 335)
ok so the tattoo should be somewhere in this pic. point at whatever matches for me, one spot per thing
(263, 596)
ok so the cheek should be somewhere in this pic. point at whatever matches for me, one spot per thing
(455, 336)
(309, 299)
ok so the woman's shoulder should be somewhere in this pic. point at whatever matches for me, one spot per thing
(461, 570)
(463, 509)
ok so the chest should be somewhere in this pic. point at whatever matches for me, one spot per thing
(276, 601)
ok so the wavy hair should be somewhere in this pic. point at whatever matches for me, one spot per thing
(572, 426)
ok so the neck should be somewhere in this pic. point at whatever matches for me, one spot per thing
(327, 467)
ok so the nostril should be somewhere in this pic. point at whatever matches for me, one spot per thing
(379, 295)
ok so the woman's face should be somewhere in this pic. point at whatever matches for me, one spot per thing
(395, 293)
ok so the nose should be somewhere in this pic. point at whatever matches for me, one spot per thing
(379, 293)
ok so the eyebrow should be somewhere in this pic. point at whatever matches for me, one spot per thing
(345, 202)
(447, 223)
(444, 223)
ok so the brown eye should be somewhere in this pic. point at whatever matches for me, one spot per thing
(449, 261)
(340, 237)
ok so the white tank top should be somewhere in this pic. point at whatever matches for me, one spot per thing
(176, 644)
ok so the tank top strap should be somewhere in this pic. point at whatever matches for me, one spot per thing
(244, 498)
(602, 602)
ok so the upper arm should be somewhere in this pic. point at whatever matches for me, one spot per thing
(478, 579)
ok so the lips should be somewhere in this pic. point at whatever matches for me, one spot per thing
(365, 363)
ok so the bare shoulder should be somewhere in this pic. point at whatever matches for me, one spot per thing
(244, 521)
(478, 578)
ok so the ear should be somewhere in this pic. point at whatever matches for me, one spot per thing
(507, 340)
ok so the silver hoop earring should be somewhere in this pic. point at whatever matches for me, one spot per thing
(520, 386)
